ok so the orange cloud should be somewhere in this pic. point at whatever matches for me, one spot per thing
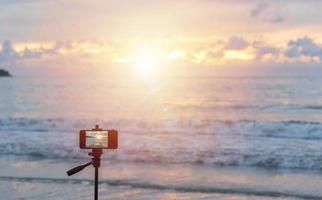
(231, 50)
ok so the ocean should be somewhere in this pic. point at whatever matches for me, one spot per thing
(180, 137)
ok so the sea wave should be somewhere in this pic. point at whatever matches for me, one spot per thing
(255, 106)
(280, 129)
(267, 144)
(313, 107)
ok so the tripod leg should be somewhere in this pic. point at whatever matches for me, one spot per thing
(96, 184)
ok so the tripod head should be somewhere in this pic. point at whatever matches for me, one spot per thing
(96, 161)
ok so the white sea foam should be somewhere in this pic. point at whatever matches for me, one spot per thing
(269, 144)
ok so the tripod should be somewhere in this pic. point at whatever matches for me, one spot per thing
(96, 161)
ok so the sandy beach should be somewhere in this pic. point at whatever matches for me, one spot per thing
(25, 178)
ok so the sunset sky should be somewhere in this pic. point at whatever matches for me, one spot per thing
(41, 33)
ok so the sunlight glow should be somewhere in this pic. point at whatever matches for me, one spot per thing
(146, 61)
(20, 47)
(99, 137)
(238, 55)
(176, 55)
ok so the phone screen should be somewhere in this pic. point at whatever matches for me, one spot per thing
(96, 139)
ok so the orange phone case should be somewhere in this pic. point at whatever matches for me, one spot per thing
(112, 139)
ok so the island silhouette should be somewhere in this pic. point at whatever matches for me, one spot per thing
(4, 73)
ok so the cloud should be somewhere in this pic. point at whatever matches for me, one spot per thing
(15, 2)
(267, 11)
(7, 53)
(277, 19)
(304, 46)
(260, 7)
(53, 51)
(263, 50)
(236, 43)
(28, 54)
(234, 50)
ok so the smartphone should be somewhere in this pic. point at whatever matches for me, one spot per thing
(98, 139)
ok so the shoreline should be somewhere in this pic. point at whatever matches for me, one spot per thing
(160, 179)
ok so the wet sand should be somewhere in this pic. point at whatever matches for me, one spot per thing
(23, 177)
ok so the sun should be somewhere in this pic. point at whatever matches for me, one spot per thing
(146, 61)
(146, 65)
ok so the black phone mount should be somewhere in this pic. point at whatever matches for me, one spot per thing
(96, 162)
